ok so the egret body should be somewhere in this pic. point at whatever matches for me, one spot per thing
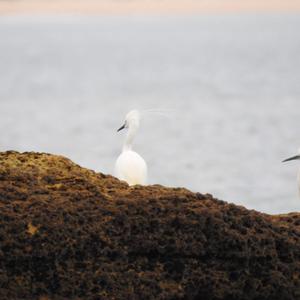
(296, 157)
(130, 166)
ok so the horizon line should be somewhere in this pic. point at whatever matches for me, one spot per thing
(106, 7)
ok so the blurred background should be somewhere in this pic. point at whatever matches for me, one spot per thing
(225, 73)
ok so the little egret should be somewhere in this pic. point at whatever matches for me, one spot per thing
(130, 166)
(294, 158)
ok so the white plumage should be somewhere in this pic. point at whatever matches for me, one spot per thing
(130, 166)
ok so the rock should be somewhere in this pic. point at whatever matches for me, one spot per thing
(70, 233)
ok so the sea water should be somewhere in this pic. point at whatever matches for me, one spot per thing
(229, 85)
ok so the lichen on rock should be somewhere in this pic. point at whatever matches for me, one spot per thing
(70, 233)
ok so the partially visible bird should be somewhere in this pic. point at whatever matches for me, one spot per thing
(295, 158)
(130, 166)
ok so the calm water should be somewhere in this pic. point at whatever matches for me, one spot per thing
(232, 83)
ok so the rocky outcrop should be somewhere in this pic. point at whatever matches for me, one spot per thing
(70, 233)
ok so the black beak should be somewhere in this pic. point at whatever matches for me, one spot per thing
(121, 128)
(292, 158)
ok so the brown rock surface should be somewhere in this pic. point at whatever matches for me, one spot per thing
(70, 233)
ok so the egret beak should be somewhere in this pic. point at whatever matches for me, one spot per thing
(292, 158)
(121, 128)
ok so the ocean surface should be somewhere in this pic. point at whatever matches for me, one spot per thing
(228, 86)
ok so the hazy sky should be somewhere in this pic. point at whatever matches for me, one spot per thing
(146, 6)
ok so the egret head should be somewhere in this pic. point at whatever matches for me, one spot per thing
(293, 157)
(132, 120)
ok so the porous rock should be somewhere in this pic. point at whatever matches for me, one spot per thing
(70, 233)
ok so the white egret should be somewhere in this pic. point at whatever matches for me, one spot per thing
(295, 158)
(130, 166)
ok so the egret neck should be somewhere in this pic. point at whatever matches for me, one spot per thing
(132, 130)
